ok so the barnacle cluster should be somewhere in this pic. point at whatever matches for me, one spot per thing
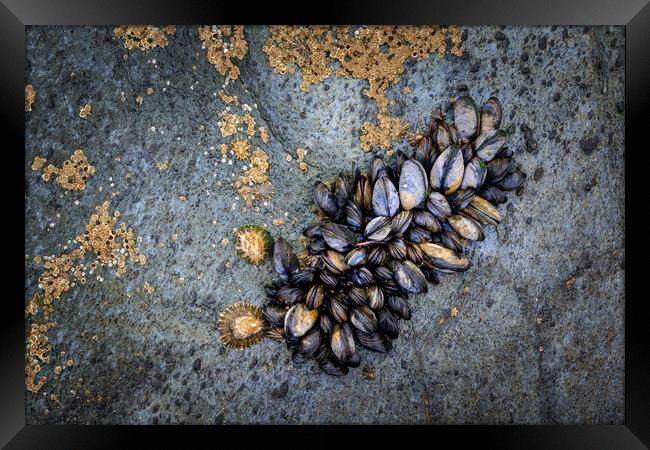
(223, 44)
(383, 233)
(144, 37)
(111, 245)
(373, 53)
(73, 174)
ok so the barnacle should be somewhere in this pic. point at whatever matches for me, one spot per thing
(241, 325)
(252, 243)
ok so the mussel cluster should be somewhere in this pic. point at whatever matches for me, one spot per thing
(382, 234)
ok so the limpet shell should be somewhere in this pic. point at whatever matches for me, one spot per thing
(252, 243)
(241, 325)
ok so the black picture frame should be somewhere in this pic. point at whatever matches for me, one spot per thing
(633, 14)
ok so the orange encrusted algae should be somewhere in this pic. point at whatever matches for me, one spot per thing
(144, 36)
(73, 174)
(373, 53)
(224, 43)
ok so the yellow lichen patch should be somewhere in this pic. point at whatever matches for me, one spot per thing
(85, 111)
(374, 53)
(144, 37)
(163, 166)
(241, 148)
(252, 243)
(228, 98)
(30, 95)
(223, 44)
(241, 325)
(109, 245)
(264, 135)
(389, 129)
(38, 163)
(73, 174)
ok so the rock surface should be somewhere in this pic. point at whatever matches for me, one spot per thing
(532, 333)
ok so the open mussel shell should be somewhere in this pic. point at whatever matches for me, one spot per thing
(488, 145)
(385, 200)
(413, 184)
(438, 205)
(445, 259)
(466, 118)
(482, 211)
(491, 115)
(447, 172)
(285, 260)
(299, 320)
(475, 173)
(466, 227)
(325, 200)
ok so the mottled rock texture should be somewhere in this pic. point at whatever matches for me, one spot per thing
(538, 335)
